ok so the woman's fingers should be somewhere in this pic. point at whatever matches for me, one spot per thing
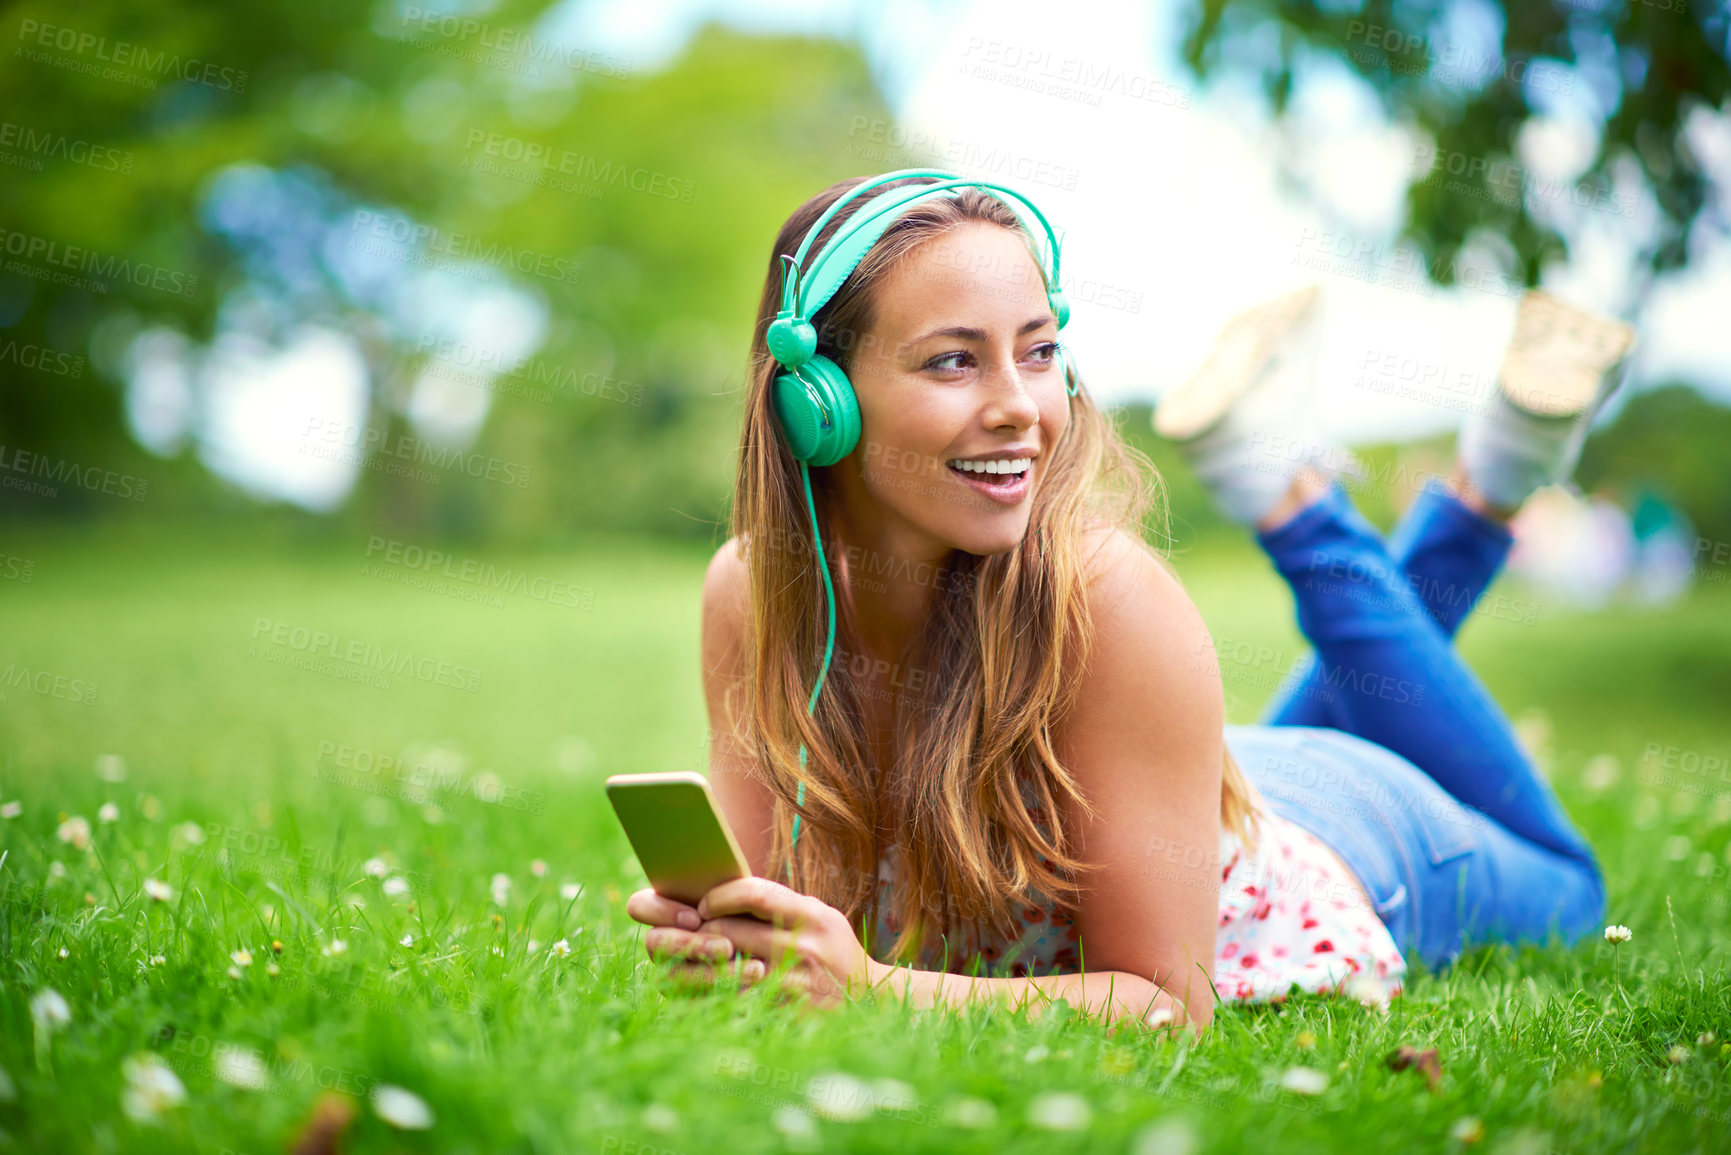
(756, 897)
(705, 974)
(658, 910)
(752, 936)
(670, 942)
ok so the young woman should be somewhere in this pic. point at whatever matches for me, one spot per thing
(1017, 781)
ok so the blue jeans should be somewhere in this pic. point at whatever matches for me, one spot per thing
(1388, 748)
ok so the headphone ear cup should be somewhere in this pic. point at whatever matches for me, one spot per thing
(802, 418)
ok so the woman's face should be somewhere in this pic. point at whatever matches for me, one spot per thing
(960, 365)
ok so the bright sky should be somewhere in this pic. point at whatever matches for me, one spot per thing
(1171, 205)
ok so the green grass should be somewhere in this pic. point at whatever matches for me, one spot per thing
(593, 1052)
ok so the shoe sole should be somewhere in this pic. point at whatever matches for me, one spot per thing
(1241, 354)
(1560, 357)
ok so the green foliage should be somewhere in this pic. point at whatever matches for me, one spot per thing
(1648, 64)
(627, 415)
(1672, 440)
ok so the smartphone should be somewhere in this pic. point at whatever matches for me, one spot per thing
(681, 839)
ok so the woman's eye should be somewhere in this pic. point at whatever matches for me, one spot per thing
(950, 362)
(1044, 353)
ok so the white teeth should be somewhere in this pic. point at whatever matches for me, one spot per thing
(1013, 465)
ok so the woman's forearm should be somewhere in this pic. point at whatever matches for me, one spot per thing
(1120, 995)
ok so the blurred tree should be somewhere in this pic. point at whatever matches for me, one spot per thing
(240, 148)
(1671, 440)
(1471, 75)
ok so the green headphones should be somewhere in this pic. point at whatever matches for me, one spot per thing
(813, 400)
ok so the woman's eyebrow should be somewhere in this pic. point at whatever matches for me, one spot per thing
(966, 333)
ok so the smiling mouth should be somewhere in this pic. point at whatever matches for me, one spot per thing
(983, 472)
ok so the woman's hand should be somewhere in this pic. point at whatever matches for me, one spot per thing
(677, 933)
(810, 942)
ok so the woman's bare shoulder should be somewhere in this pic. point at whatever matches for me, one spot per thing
(1150, 651)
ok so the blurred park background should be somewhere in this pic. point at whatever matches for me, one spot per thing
(422, 328)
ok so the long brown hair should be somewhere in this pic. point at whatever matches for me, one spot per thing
(999, 641)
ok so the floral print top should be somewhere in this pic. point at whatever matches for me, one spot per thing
(1290, 913)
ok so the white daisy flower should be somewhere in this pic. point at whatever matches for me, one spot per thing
(111, 767)
(1060, 1111)
(151, 1088)
(241, 957)
(570, 891)
(158, 890)
(272, 970)
(48, 1010)
(75, 830)
(1618, 934)
(56, 870)
(396, 887)
(406, 940)
(838, 1095)
(501, 887)
(335, 947)
(538, 868)
(1304, 1080)
(894, 1095)
(532, 946)
(189, 832)
(241, 1066)
(562, 948)
(798, 1126)
(64, 953)
(1467, 1129)
(974, 1114)
(660, 1118)
(11, 809)
(375, 867)
(401, 1108)
(157, 960)
(109, 813)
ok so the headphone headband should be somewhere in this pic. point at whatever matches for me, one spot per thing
(793, 339)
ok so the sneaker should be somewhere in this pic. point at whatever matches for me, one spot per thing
(1560, 368)
(1246, 421)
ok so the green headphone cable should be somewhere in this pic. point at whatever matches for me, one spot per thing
(829, 645)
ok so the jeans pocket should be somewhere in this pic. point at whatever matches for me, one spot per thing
(1445, 827)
